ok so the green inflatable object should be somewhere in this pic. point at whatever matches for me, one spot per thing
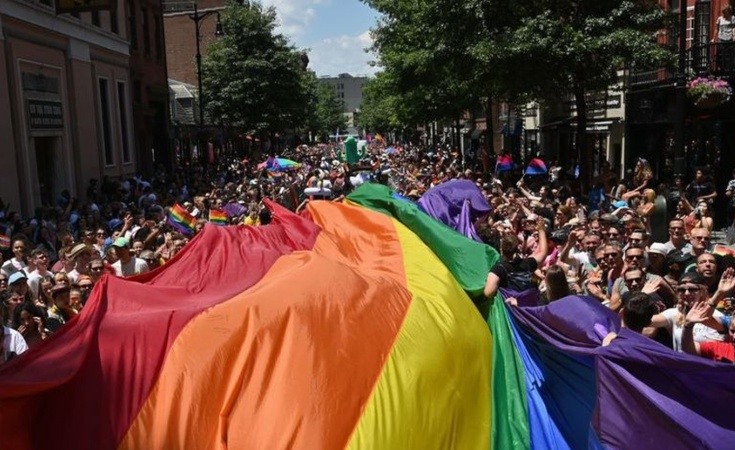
(351, 150)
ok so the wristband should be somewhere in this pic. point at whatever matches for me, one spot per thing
(689, 326)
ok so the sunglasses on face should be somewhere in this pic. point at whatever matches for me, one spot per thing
(634, 280)
(630, 257)
(611, 255)
(96, 269)
(701, 238)
(687, 289)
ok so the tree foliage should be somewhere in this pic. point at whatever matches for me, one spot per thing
(325, 111)
(426, 50)
(252, 76)
(576, 46)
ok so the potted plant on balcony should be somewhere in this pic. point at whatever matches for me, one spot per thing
(708, 93)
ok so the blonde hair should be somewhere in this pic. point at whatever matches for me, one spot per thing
(649, 195)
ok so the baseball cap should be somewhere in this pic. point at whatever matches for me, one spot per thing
(16, 277)
(659, 249)
(121, 242)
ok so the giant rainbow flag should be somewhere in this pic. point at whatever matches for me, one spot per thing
(351, 326)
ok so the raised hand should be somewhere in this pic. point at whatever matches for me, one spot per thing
(727, 281)
(651, 286)
(699, 312)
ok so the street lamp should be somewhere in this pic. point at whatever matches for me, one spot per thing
(198, 18)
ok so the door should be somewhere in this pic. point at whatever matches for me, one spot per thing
(46, 170)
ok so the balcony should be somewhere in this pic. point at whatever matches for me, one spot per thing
(717, 59)
(710, 59)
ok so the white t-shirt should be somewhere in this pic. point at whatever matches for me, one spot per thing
(135, 266)
(702, 333)
(34, 281)
(724, 29)
(13, 342)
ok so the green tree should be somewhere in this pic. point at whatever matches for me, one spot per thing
(382, 106)
(325, 110)
(578, 47)
(253, 77)
(425, 49)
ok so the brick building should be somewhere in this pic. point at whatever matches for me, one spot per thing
(150, 85)
(181, 37)
(65, 97)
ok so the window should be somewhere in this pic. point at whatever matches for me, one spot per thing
(96, 17)
(114, 26)
(146, 33)
(133, 26)
(105, 116)
(159, 38)
(123, 115)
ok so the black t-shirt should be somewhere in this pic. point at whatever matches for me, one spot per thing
(515, 274)
(696, 190)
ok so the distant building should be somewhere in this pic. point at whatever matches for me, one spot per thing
(348, 89)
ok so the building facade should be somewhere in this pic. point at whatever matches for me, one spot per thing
(180, 36)
(149, 85)
(663, 125)
(65, 97)
(550, 129)
(348, 89)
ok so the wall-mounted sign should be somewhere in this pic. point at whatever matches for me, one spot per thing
(45, 115)
(69, 6)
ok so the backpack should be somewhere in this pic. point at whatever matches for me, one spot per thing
(518, 280)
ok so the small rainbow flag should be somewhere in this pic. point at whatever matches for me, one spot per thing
(218, 217)
(503, 163)
(536, 167)
(723, 250)
(181, 220)
(4, 242)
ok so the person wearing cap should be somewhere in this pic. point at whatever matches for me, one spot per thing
(127, 264)
(80, 255)
(656, 258)
(61, 310)
(16, 294)
(691, 291)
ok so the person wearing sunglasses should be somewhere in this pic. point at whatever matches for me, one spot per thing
(691, 291)
(634, 259)
(703, 312)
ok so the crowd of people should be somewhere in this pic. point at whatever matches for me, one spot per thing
(675, 290)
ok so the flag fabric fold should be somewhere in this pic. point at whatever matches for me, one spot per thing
(351, 326)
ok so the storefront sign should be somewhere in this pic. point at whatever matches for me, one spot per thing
(45, 115)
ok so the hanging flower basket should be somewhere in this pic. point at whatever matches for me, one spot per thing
(708, 93)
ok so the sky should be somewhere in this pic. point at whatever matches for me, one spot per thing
(335, 32)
